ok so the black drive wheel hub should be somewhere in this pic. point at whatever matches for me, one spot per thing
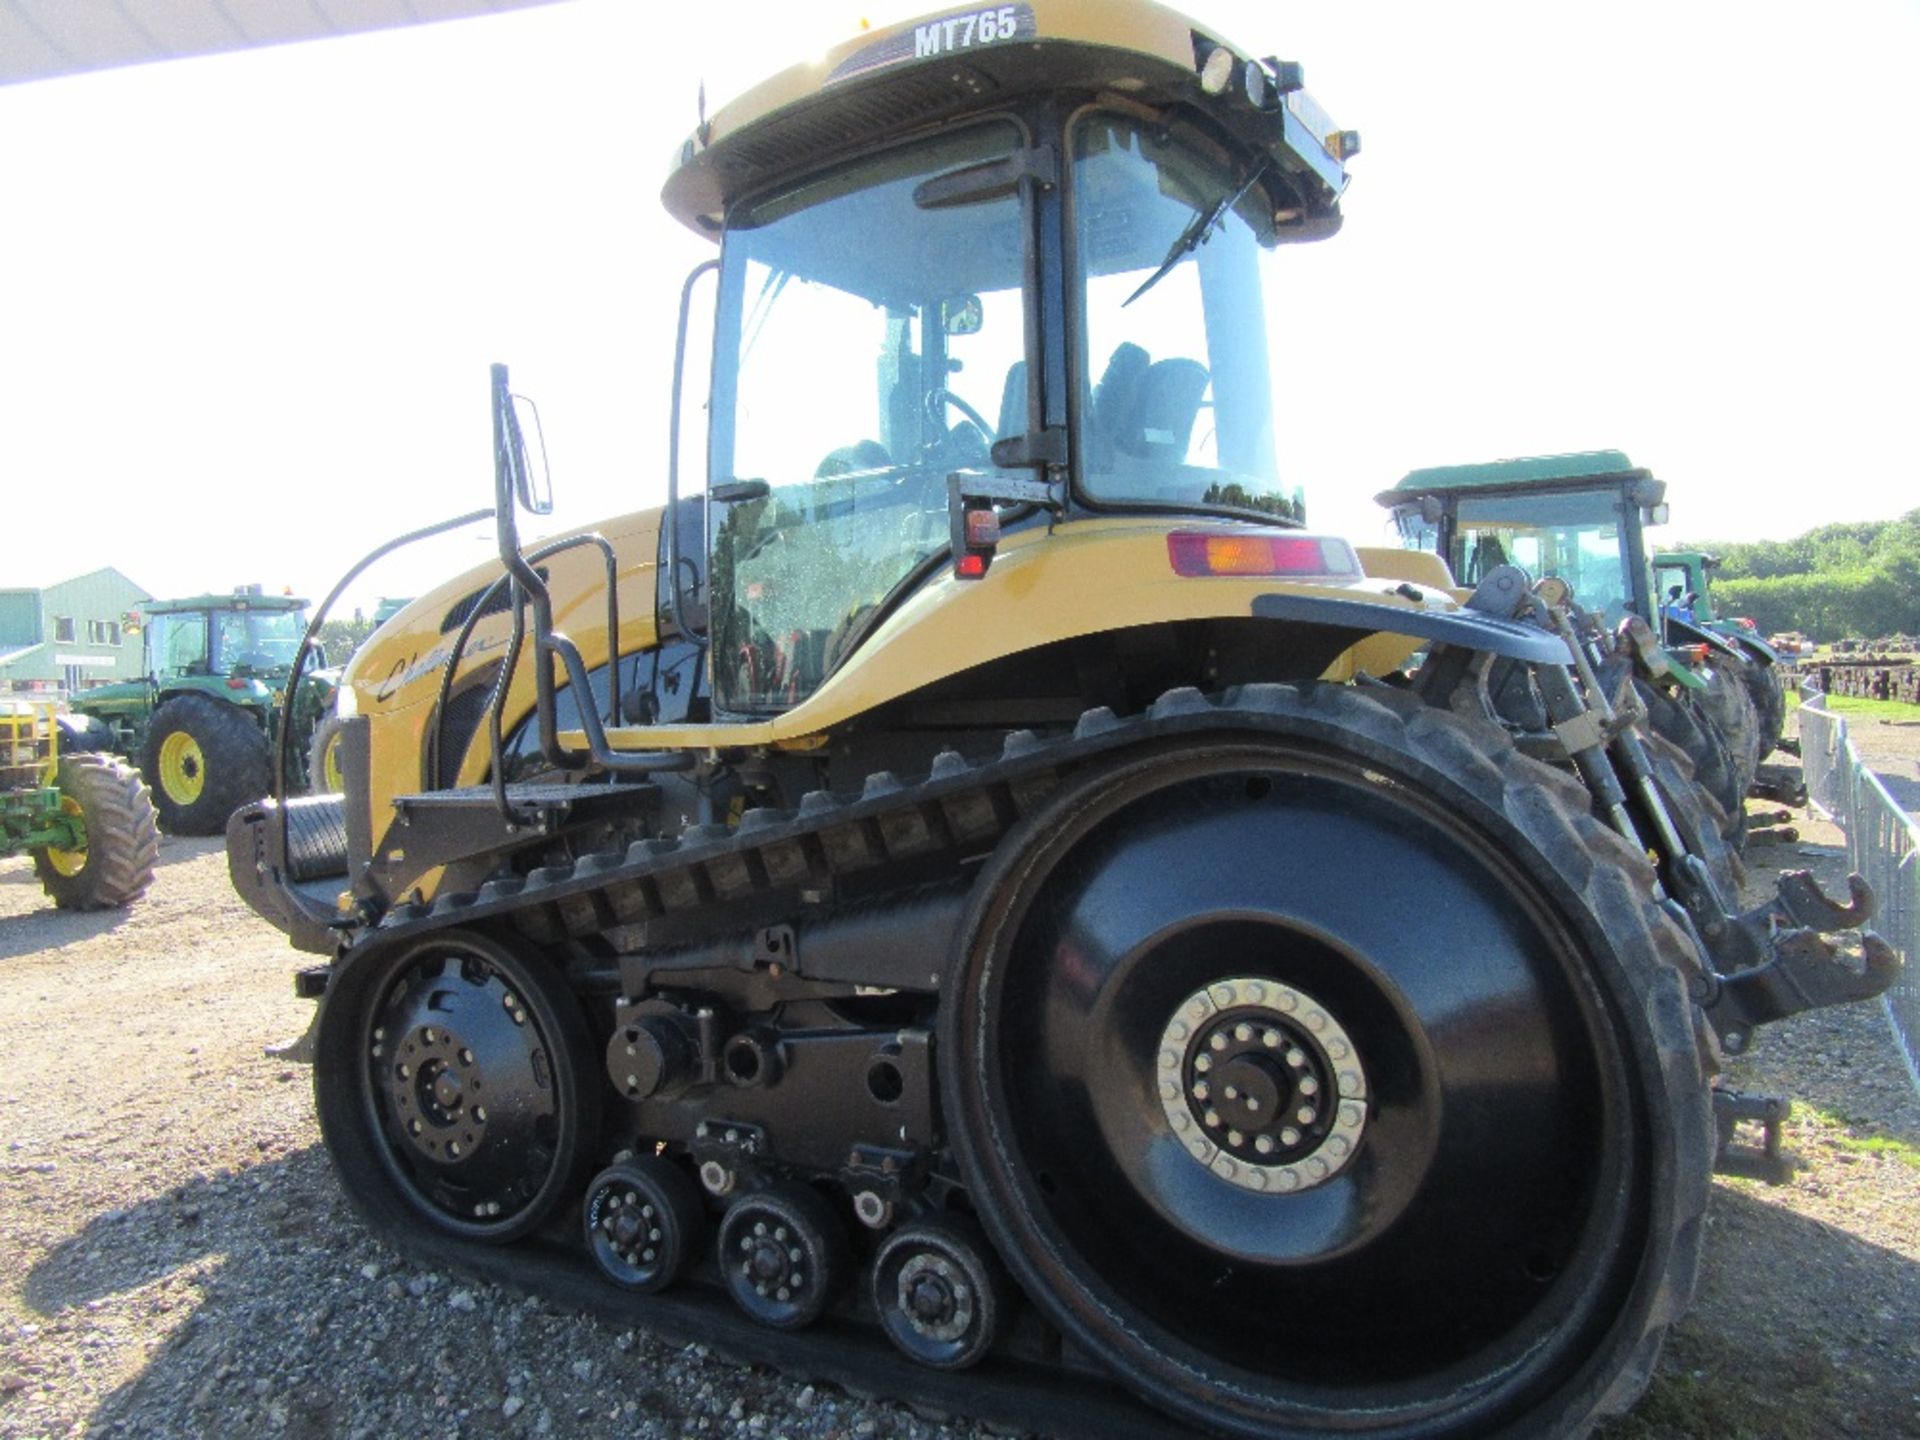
(1262, 1084)
(1292, 1096)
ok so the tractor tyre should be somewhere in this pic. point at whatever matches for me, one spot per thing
(1339, 1078)
(1729, 705)
(85, 735)
(115, 866)
(1697, 817)
(323, 757)
(203, 760)
(1680, 722)
(1769, 702)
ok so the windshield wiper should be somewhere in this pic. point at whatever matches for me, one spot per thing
(1198, 231)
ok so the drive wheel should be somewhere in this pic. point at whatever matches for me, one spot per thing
(1335, 1078)
(1769, 702)
(203, 759)
(115, 865)
(454, 1086)
(1728, 704)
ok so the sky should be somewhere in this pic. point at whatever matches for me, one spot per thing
(250, 299)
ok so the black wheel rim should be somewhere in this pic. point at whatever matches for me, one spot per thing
(642, 1221)
(783, 1253)
(470, 1067)
(1477, 1235)
(938, 1294)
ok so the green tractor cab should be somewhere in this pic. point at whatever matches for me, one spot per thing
(202, 721)
(1582, 518)
(1691, 573)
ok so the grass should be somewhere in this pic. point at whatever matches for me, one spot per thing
(1852, 1135)
(1873, 709)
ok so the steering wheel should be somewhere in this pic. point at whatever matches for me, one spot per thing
(940, 397)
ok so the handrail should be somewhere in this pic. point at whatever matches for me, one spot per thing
(313, 630)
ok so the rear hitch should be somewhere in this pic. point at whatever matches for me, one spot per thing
(1787, 958)
(1753, 1162)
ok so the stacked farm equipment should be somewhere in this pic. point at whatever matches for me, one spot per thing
(203, 721)
(1581, 518)
(85, 818)
(981, 874)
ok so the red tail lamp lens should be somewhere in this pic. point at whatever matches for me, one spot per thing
(970, 567)
(234, 682)
(1211, 553)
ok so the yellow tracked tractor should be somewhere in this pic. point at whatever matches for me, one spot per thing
(976, 872)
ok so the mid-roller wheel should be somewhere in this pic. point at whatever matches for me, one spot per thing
(644, 1222)
(784, 1254)
(940, 1292)
(454, 1081)
(1337, 1078)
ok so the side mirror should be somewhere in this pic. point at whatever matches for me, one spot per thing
(962, 315)
(534, 481)
(1656, 514)
(520, 470)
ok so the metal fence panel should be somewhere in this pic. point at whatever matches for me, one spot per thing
(1882, 843)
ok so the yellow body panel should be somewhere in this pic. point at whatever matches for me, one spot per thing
(1082, 578)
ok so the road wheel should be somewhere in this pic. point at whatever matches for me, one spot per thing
(455, 1085)
(115, 866)
(203, 760)
(1683, 724)
(1336, 1079)
(323, 758)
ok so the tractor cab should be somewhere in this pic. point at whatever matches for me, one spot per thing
(1031, 306)
(1575, 517)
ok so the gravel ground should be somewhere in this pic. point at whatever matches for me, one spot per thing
(176, 1258)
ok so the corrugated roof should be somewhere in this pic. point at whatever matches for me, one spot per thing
(40, 39)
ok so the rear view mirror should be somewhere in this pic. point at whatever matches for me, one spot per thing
(535, 482)
(962, 315)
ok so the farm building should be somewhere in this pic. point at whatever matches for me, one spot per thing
(69, 636)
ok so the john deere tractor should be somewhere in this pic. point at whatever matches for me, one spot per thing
(203, 721)
(1691, 573)
(1582, 518)
(975, 883)
(86, 819)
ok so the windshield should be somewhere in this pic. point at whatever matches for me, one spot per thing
(869, 346)
(1181, 406)
(1575, 537)
(259, 639)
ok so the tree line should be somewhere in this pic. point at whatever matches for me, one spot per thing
(1857, 578)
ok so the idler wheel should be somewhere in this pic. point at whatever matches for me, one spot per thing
(784, 1254)
(644, 1223)
(940, 1293)
(454, 1079)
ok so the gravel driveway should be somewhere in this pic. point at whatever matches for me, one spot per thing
(176, 1258)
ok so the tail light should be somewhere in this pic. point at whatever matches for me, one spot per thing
(1279, 553)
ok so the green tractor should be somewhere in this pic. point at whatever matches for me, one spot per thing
(86, 819)
(1582, 518)
(1690, 573)
(202, 720)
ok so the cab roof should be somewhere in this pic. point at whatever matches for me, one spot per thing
(1523, 472)
(914, 76)
(236, 601)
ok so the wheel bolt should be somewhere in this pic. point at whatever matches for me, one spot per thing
(1243, 1032)
(1289, 1137)
(1305, 1115)
(1309, 1085)
(1218, 1042)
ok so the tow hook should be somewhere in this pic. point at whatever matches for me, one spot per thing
(1803, 968)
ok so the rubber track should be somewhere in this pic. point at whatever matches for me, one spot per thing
(962, 808)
